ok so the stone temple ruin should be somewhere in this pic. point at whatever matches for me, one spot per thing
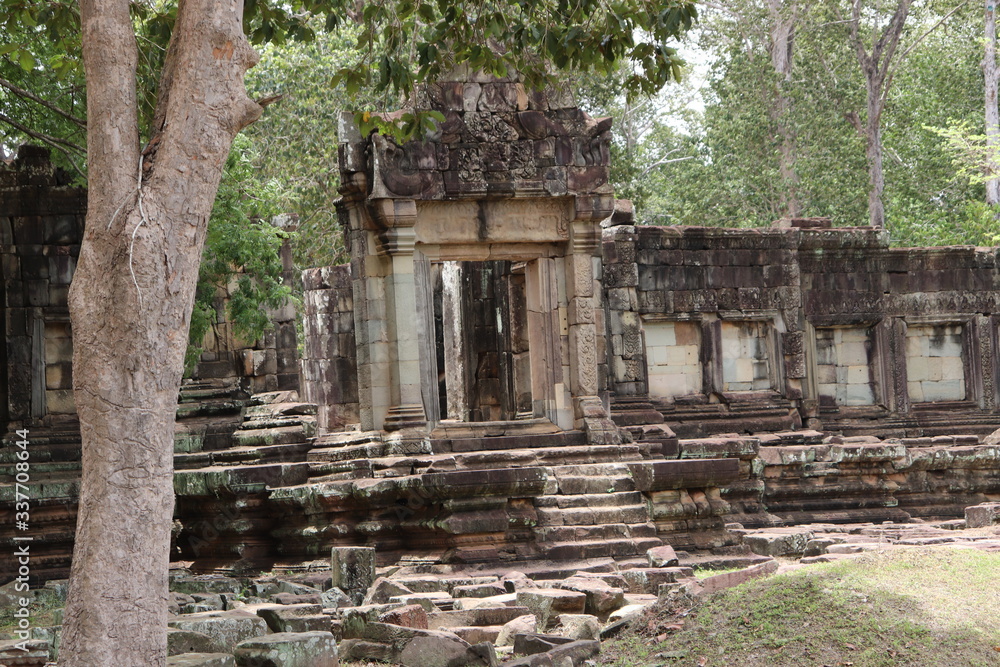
(511, 372)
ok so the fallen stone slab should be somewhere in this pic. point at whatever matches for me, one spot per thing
(226, 628)
(412, 647)
(353, 620)
(629, 611)
(477, 634)
(730, 579)
(664, 556)
(479, 590)
(205, 583)
(532, 643)
(201, 660)
(778, 543)
(602, 598)
(826, 558)
(288, 649)
(442, 620)
(648, 579)
(521, 625)
(855, 547)
(295, 618)
(187, 641)
(547, 603)
(574, 653)
(429, 601)
(578, 626)
(408, 616)
(982, 516)
(508, 600)
(383, 589)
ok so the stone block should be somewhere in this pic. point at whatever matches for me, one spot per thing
(226, 628)
(407, 616)
(982, 516)
(188, 641)
(352, 569)
(578, 626)
(547, 603)
(662, 556)
(295, 618)
(521, 625)
(288, 649)
(602, 598)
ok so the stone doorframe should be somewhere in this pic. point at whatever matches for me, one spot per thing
(394, 242)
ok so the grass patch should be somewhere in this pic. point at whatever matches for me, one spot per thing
(903, 607)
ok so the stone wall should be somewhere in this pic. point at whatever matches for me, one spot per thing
(41, 223)
(330, 361)
(754, 330)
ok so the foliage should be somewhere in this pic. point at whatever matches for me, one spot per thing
(294, 143)
(241, 258)
(735, 140)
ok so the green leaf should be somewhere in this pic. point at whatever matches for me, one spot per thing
(26, 60)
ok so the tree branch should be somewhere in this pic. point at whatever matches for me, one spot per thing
(20, 92)
(49, 139)
(59, 144)
(902, 57)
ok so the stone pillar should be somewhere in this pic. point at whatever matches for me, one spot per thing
(550, 395)
(399, 402)
(455, 369)
(590, 413)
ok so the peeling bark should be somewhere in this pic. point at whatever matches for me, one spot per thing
(130, 306)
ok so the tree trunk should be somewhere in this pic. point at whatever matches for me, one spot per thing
(130, 306)
(875, 66)
(876, 177)
(992, 77)
(782, 43)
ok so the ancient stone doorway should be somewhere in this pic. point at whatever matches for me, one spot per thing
(481, 340)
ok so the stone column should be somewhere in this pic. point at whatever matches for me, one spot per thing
(455, 350)
(589, 411)
(405, 320)
(549, 394)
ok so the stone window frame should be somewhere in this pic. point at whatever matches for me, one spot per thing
(973, 373)
(711, 349)
(696, 318)
(712, 333)
(881, 364)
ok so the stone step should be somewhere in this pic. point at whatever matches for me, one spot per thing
(210, 408)
(592, 516)
(40, 471)
(610, 531)
(243, 455)
(284, 435)
(271, 410)
(392, 462)
(598, 548)
(520, 441)
(595, 485)
(306, 422)
(591, 500)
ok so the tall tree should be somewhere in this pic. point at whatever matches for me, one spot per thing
(992, 80)
(150, 200)
(875, 62)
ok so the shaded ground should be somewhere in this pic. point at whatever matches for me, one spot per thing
(928, 607)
